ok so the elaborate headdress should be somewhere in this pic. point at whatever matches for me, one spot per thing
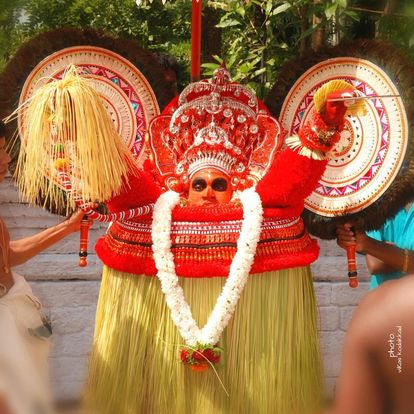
(214, 123)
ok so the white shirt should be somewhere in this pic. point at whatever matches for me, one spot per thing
(23, 356)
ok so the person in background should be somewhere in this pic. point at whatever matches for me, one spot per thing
(377, 374)
(24, 332)
(389, 251)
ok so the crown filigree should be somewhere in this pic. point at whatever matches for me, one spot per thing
(216, 123)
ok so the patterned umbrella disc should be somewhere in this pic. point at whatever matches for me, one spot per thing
(368, 157)
(127, 95)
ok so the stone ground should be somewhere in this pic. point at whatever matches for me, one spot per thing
(69, 294)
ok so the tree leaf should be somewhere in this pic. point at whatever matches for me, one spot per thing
(268, 7)
(231, 60)
(353, 15)
(259, 71)
(282, 8)
(218, 59)
(244, 68)
(330, 11)
(241, 11)
(210, 65)
(228, 23)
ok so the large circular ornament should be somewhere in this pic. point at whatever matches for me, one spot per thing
(123, 75)
(366, 160)
(370, 175)
(127, 95)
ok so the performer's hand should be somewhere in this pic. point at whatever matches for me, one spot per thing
(347, 235)
(335, 110)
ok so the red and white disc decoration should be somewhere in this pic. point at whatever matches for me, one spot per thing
(127, 95)
(372, 148)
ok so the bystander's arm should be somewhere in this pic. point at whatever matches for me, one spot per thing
(382, 257)
(17, 252)
(24, 249)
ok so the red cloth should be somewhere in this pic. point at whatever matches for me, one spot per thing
(141, 189)
(131, 264)
(290, 179)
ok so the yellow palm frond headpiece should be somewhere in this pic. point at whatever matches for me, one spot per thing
(66, 131)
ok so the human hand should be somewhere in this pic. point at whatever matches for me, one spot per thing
(73, 222)
(347, 235)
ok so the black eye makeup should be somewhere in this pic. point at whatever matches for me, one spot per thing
(219, 184)
(199, 184)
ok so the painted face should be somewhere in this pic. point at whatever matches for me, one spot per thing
(4, 158)
(209, 186)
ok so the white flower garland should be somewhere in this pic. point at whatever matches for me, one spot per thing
(239, 269)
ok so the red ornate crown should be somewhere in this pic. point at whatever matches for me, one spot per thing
(213, 123)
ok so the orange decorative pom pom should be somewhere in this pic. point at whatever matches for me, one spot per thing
(61, 164)
(199, 367)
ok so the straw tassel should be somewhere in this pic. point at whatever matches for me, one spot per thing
(295, 144)
(272, 363)
(65, 127)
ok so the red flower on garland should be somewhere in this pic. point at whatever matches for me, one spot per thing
(184, 355)
(200, 358)
(212, 356)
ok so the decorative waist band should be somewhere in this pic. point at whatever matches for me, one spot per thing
(206, 249)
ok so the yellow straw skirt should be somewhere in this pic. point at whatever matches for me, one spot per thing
(271, 362)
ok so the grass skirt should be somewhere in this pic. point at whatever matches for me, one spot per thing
(270, 364)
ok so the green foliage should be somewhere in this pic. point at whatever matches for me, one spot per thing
(10, 13)
(261, 36)
(258, 37)
(398, 29)
(157, 27)
(147, 23)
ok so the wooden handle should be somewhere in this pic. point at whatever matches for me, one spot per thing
(83, 244)
(352, 268)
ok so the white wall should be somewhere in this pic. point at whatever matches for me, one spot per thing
(69, 293)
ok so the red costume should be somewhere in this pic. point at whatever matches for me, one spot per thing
(288, 179)
(271, 360)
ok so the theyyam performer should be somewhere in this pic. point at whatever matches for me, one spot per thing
(207, 304)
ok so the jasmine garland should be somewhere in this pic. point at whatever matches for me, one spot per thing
(238, 275)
